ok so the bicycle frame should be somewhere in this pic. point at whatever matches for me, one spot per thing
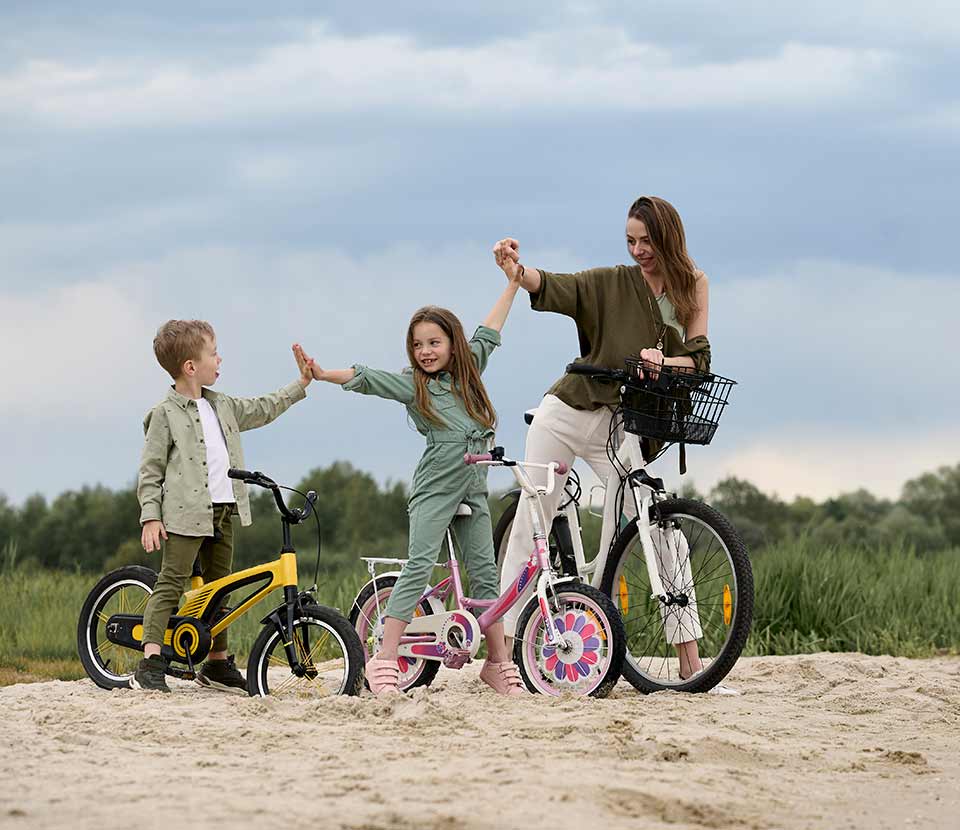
(629, 457)
(202, 604)
(537, 567)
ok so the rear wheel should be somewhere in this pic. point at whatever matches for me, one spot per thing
(704, 564)
(327, 647)
(123, 591)
(591, 659)
(369, 627)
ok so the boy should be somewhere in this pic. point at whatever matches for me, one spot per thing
(186, 498)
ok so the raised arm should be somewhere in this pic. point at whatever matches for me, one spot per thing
(501, 308)
(307, 366)
(394, 386)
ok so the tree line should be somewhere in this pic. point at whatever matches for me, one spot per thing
(95, 528)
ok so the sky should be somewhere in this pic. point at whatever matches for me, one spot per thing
(316, 172)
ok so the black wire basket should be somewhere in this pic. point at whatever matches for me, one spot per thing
(672, 403)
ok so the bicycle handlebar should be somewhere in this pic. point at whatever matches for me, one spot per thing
(595, 371)
(257, 478)
(477, 458)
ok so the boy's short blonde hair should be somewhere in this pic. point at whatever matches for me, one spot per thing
(178, 341)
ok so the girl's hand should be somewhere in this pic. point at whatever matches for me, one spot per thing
(652, 361)
(309, 370)
(507, 254)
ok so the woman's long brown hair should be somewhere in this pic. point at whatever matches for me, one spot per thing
(670, 244)
(466, 376)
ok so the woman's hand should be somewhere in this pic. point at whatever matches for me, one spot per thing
(507, 254)
(651, 360)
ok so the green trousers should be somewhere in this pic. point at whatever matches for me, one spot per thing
(179, 554)
(441, 482)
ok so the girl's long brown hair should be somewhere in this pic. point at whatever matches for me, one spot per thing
(466, 376)
(670, 244)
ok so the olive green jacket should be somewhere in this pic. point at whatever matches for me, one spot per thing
(172, 485)
(616, 315)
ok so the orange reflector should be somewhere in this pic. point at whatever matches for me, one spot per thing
(624, 596)
(727, 605)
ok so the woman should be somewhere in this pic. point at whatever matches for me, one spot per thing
(656, 309)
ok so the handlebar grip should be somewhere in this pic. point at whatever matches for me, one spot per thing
(562, 469)
(475, 458)
(586, 369)
(241, 474)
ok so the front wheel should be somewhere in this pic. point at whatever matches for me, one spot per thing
(704, 566)
(123, 591)
(327, 647)
(589, 661)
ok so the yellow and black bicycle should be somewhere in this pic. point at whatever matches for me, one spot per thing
(305, 649)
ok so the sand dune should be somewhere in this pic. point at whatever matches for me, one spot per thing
(826, 740)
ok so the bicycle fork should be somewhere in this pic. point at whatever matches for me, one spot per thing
(545, 580)
(643, 498)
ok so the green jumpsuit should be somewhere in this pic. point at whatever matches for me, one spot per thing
(441, 481)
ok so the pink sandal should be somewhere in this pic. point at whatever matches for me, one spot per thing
(383, 676)
(503, 678)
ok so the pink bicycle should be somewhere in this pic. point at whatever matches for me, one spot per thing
(569, 637)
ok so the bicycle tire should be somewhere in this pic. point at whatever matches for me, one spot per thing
(722, 612)
(591, 668)
(268, 670)
(122, 591)
(413, 672)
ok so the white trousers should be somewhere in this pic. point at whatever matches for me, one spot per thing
(561, 433)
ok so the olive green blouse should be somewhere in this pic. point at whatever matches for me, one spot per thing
(617, 315)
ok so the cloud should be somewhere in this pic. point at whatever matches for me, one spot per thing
(824, 403)
(66, 351)
(591, 69)
(799, 461)
(837, 343)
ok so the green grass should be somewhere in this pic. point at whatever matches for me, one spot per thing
(39, 611)
(892, 601)
(808, 599)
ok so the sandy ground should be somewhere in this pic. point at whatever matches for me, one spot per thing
(815, 741)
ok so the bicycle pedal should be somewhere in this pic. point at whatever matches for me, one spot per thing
(456, 658)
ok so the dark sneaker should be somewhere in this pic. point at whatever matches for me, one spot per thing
(149, 675)
(222, 674)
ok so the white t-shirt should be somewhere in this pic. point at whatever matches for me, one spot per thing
(218, 460)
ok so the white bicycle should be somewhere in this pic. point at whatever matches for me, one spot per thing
(679, 572)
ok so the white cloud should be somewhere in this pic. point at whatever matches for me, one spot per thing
(70, 349)
(812, 329)
(590, 69)
(800, 461)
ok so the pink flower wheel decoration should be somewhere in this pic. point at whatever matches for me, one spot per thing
(584, 652)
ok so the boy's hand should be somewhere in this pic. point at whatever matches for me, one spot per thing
(308, 370)
(150, 537)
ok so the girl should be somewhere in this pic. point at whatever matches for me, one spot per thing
(657, 309)
(448, 404)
